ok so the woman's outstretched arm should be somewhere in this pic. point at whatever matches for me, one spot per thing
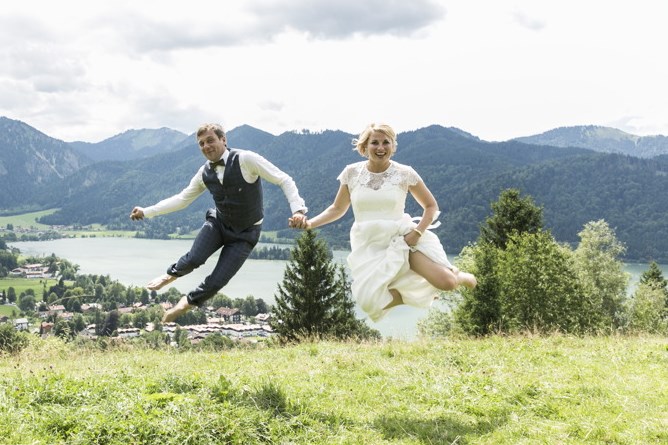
(335, 211)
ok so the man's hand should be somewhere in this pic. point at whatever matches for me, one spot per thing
(137, 213)
(298, 221)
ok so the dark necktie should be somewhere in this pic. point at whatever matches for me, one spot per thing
(213, 165)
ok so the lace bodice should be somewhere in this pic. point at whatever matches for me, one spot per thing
(399, 175)
(378, 195)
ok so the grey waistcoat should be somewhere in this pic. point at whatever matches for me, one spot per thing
(238, 203)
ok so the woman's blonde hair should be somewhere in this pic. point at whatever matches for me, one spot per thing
(360, 143)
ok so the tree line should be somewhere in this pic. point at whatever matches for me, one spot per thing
(529, 282)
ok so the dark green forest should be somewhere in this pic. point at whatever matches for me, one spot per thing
(572, 185)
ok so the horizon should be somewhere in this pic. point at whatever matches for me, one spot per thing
(301, 131)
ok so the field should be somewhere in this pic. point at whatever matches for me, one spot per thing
(26, 220)
(23, 284)
(97, 231)
(9, 310)
(497, 390)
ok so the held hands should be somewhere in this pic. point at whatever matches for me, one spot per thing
(299, 221)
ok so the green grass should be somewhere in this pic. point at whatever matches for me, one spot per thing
(23, 284)
(518, 390)
(97, 231)
(26, 220)
(9, 310)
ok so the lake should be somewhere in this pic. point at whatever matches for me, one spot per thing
(134, 261)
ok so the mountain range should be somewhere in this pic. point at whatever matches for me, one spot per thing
(576, 174)
(131, 144)
(602, 139)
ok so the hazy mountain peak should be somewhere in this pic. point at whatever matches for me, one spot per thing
(144, 138)
(133, 144)
(602, 139)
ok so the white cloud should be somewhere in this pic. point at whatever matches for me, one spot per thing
(86, 70)
(340, 19)
(524, 20)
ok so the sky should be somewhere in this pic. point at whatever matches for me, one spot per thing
(84, 70)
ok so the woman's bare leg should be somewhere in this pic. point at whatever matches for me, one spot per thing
(439, 276)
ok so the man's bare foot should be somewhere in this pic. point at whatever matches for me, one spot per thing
(160, 282)
(466, 279)
(180, 308)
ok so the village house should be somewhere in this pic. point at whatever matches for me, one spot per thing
(243, 330)
(229, 315)
(66, 315)
(128, 332)
(90, 307)
(125, 310)
(56, 309)
(262, 318)
(31, 271)
(21, 324)
(234, 331)
(89, 331)
(45, 328)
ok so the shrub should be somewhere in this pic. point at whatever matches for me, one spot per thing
(11, 340)
(646, 311)
(538, 291)
(437, 324)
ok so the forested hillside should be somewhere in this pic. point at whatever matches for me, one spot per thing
(28, 160)
(466, 174)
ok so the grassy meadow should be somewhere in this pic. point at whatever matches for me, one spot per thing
(26, 220)
(497, 390)
(23, 284)
(9, 310)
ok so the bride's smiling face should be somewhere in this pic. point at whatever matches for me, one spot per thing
(379, 147)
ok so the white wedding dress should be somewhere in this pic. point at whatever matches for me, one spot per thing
(378, 259)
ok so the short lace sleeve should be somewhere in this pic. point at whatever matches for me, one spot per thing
(348, 174)
(412, 177)
(344, 176)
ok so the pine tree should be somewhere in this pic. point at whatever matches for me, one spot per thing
(313, 300)
(653, 277)
(512, 214)
(344, 322)
(480, 311)
(110, 324)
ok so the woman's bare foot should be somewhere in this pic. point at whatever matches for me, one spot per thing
(180, 308)
(396, 299)
(160, 282)
(466, 279)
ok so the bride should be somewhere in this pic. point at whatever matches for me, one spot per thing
(393, 260)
